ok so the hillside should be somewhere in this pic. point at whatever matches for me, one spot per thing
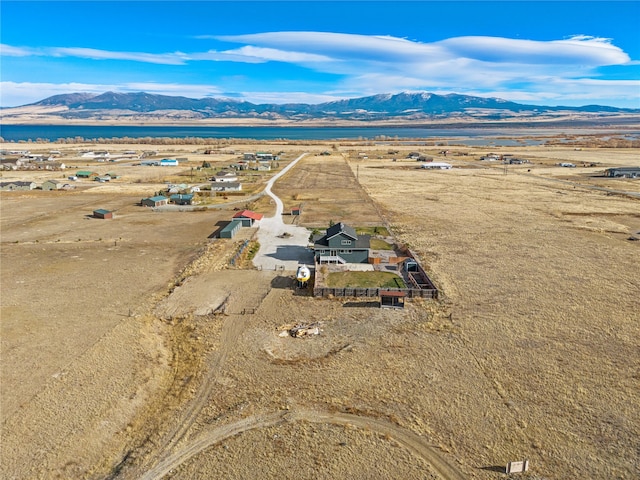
(398, 108)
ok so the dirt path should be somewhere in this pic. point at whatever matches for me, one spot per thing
(408, 439)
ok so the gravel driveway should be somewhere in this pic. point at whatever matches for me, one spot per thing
(282, 246)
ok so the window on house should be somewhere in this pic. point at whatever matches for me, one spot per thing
(346, 242)
(346, 251)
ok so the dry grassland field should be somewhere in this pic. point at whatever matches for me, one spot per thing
(133, 349)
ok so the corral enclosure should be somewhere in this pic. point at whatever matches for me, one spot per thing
(530, 352)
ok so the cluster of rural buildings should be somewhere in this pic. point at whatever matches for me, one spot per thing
(244, 218)
(24, 160)
(506, 158)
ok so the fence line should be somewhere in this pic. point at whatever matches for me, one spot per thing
(238, 253)
(373, 292)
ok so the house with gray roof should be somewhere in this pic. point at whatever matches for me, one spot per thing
(11, 186)
(341, 244)
(623, 172)
(225, 187)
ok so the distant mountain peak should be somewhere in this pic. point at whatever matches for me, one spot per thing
(398, 106)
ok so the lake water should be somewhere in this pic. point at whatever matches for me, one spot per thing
(467, 136)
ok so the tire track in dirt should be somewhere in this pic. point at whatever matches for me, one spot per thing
(408, 439)
(231, 331)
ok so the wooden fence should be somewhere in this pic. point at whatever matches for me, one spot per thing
(373, 292)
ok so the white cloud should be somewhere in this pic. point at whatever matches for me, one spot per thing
(579, 50)
(11, 51)
(366, 65)
(164, 59)
(272, 54)
(176, 58)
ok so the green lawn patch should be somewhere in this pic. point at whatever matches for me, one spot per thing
(364, 280)
(373, 231)
(379, 244)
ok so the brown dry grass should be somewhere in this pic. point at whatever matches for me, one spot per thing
(327, 189)
(532, 351)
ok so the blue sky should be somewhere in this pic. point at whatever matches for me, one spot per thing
(542, 52)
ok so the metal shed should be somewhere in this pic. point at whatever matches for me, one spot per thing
(156, 201)
(231, 229)
(102, 213)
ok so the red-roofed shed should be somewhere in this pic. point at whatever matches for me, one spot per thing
(248, 218)
(392, 299)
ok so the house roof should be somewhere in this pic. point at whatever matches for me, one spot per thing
(18, 183)
(157, 198)
(339, 228)
(182, 196)
(392, 293)
(248, 214)
(363, 241)
(102, 211)
(221, 186)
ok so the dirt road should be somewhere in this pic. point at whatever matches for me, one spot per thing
(418, 445)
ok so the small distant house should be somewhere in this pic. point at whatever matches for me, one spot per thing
(296, 211)
(623, 172)
(225, 176)
(231, 229)
(168, 162)
(86, 174)
(226, 187)
(102, 178)
(182, 198)
(150, 163)
(173, 188)
(249, 156)
(248, 218)
(157, 201)
(11, 186)
(265, 157)
(436, 166)
(240, 165)
(96, 154)
(102, 213)
(52, 185)
(341, 244)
